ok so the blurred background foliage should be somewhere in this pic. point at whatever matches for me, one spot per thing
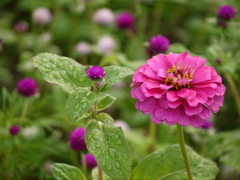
(189, 25)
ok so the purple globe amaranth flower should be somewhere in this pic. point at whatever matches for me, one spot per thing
(90, 161)
(159, 43)
(27, 87)
(226, 12)
(207, 124)
(220, 23)
(20, 27)
(42, 16)
(14, 130)
(125, 20)
(95, 72)
(218, 61)
(76, 139)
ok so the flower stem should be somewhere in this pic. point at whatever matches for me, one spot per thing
(84, 167)
(152, 133)
(25, 107)
(183, 150)
(100, 173)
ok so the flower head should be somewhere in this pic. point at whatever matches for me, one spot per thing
(42, 16)
(207, 124)
(218, 61)
(14, 130)
(83, 48)
(159, 43)
(125, 20)
(106, 44)
(177, 88)
(27, 87)
(95, 72)
(20, 27)
(76, 139)
(90, 161)
(226, 12)
(103, 16)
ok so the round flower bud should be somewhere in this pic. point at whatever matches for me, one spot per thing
(90, 161)
(42, 16)
(103, 16)
(125, 20)
(14, 130)
(20, 27)
(95, 72)
(46, 37)
(106, 44)
(207, 124)
(76, 139)
(47, 166)
(226, 12)
(122, 124)
(159, 43)
(218, 61)
(27, 87)
(83, 48)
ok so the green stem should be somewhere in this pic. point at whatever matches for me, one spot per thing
(25, 107)
(74, 157)
(222, 46)
(84, 167)
(100, 173)
(152, 133)
(233, 89)
(183, 150)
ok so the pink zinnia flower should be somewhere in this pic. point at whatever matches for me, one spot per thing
(177, 88)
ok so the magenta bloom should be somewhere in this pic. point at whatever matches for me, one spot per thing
(220, 23)
(177, 88)
(95, 72)
(159, 43)
(90, 161)
(27, 87)
(226, 12)
(14, 130)
(207, 124)
(125, 20)
(76, 139)
(21, 27)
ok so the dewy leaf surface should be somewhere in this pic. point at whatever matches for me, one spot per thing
(95, 175)
(105, 101)
(67, 172)
(109, 147)
(78, 103)
(168, 164)
(63, 71)
(115, 74)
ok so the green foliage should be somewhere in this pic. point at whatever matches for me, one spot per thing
(95, 175)
(67, 172)
(109, 147)
(78, 103)
(168, 163)
(105, 101)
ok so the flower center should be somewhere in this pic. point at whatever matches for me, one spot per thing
(180, 76)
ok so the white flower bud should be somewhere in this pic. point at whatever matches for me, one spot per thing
(46, 37)
(83, 48)
(103, 16)
(42, 16)
(122, 124)
(106, 44)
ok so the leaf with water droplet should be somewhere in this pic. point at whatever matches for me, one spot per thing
(105, 101)
(60, 70)
(67, 172)
(112, 75)
(76, 104)
(111, 147)
(170, 165)
(95, 174)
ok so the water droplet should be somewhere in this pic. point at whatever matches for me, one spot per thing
(127, 168)
(104, 163)
(64, 74)
(107, 157)
(96, 136)
(98, 145)
(125, 156)
(84, 99)
(82, 78)
(94, 147)
(44, 59)
(54, 66)
(109, 167)
(89, 137)
(76, 96)
(76, 112)
(118, 165)
(103, 151)
(118, 142)
(96, 156)
(110, 153)
(51, 76)
(71, 67)
(77, 106)
(46, 67)
(116, 136)
(84, 105)
(120, 173)
(75, 74)
(119, 158)
(88, 93)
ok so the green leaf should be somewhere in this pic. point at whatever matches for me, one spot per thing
(95, 175)
(109, 147)
(63, 71)
(231, 159)
(168, 164)
(67, 172)
(78, 103)
(105, 101)
(115, 74)
(105, 115)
